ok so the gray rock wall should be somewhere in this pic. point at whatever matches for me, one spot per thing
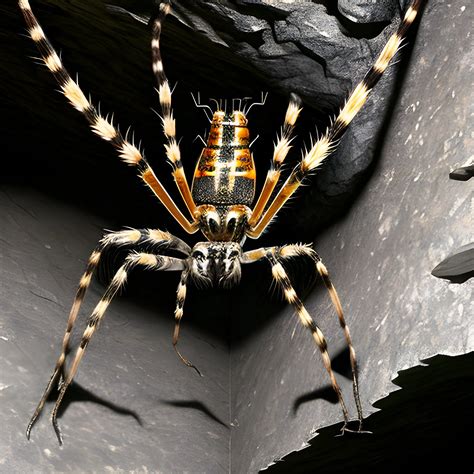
(265, 398)
(134, 406)
(407, 219)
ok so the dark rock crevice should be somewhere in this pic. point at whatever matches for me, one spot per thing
(432, 411)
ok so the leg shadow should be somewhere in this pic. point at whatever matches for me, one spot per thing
(427, 422)
(76, 393)
(341, 364)
(195, 405)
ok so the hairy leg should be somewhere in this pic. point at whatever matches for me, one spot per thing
(149, 261)
(282, 147)
(148, 237)
(101, 126)
(326, 144)
(172, 149)
(300, 250)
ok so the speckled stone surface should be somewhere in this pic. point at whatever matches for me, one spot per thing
(135, 406)
(365, 11)
(408, 218)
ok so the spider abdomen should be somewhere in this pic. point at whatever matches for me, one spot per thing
(225, 171)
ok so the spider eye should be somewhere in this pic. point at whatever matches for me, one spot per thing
(198, 255)
(233, 254)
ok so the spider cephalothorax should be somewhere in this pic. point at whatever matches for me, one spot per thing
(216, 263)
(220, 203)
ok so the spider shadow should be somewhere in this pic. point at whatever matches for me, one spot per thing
(195, 405)
(340, 364)
(77, 393)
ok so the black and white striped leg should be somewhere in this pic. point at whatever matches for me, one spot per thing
(173, 152)
(151, 238)
(178, 314)
(149, 261)
(59, 367)
(281, 277)
(280, 152)
(301, 250)
(117, 238)
(322, 270)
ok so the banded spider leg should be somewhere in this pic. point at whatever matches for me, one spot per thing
(322, 148)
(149, 239)
(276, 256)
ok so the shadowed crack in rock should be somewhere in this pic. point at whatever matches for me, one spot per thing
(426, 422)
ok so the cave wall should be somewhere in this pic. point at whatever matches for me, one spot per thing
(133, 406)
(55, 203)
(408, 218)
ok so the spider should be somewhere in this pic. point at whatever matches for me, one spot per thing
(219, 203)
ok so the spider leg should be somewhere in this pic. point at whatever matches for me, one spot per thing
(326, 144)
(322, 270)
(150, 237)
(178, 314)
(289, 251)
(282, 279)
(59, 367)
(148, 260)
(300, 250)
(101, 126)
(172, 149)
(282, 147)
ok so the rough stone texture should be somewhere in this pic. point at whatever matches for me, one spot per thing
(380, 254)
(366, 11)
(409, 217)
(135, 406)
(311, 49)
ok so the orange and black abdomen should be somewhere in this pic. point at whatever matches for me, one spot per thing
(225, 172)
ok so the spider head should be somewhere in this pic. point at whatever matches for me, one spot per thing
(216, 263)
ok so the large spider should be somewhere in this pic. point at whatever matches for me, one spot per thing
(219, 203)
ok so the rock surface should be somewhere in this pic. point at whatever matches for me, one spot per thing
(380, 254)
(368, 11)
(408, 218)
